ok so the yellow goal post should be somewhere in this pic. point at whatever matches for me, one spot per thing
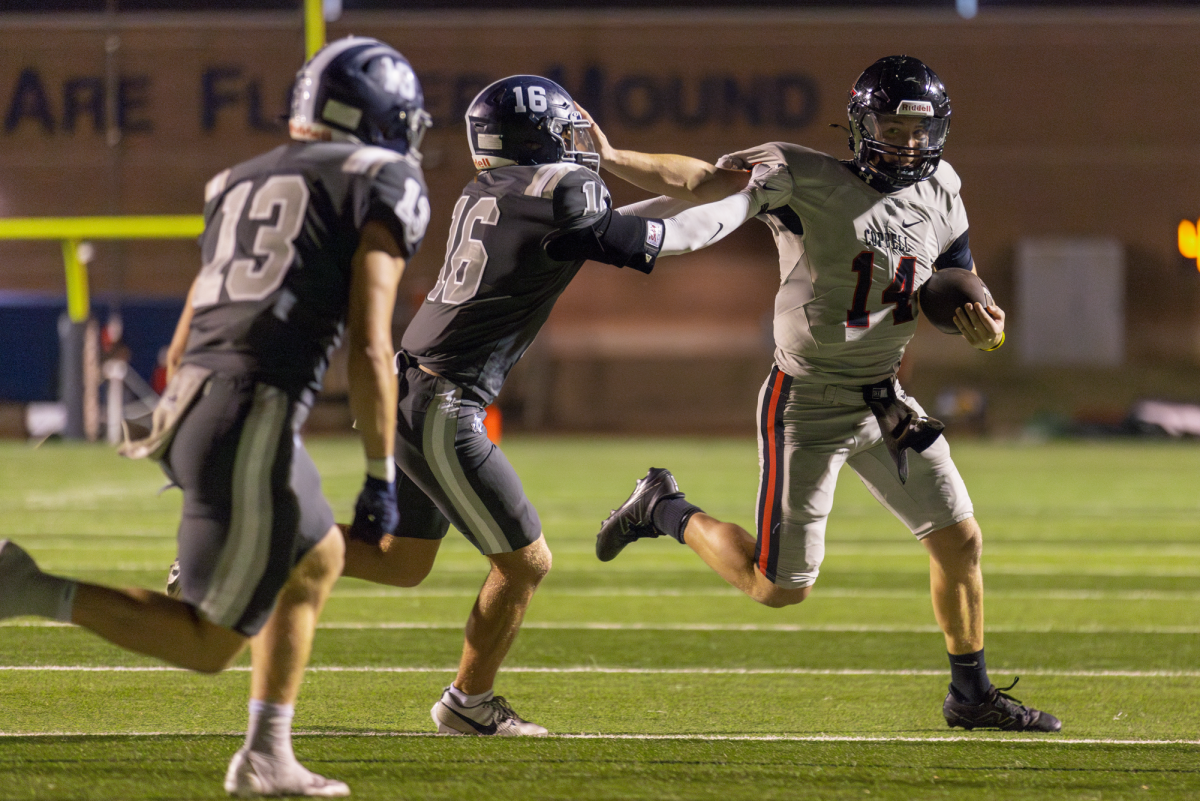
(72, 231)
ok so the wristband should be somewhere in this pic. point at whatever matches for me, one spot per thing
(384, 469)
(997, 345)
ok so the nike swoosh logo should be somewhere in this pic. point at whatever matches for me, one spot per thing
(910, 224)
(489, 729)
(720, 226)
(967, 664)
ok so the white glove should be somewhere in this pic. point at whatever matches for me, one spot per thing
(770, 186)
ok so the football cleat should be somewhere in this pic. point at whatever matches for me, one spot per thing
(174, 589)
(633, 520)
(253, 775)
(24, 588)
(490, 718)
(998, 711)
(17, 568)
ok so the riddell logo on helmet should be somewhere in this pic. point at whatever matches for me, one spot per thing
(482, 162)
(920, 108)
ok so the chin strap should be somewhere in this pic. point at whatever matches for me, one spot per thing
(901, 427)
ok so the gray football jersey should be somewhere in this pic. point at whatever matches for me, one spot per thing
(280, 231)
(850, 261)
(498, 285)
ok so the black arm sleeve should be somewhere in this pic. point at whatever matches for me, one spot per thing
(613, 239)
(957, 255)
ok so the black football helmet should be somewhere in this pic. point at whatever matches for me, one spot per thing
(899, 118)
(525, 119)
(361, 90)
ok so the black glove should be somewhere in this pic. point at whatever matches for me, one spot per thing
(375, 512)
(901, 427)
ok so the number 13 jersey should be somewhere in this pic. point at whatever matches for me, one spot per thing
(850, 262)
(280, 231)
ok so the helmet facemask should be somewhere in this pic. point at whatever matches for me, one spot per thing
(574, 142)
(899, 149)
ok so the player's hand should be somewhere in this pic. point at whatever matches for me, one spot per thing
(375, 512)
(770, 186)
(982, 326)
(599, 140)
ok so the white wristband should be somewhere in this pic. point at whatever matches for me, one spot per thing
(384, 469)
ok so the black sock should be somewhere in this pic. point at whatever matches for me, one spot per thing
(969, 678)
(671, 516)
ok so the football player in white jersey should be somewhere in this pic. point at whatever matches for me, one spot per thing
(856, 240)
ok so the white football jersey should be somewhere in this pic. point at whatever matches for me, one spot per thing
(850, 262)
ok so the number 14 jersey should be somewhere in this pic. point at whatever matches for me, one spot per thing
(850, 262)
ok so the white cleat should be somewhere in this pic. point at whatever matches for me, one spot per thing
(254, 775)
(18, 574)
(490, 718)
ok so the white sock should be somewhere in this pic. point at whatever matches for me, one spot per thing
(51, 596)
(270, 729)
(462, 699)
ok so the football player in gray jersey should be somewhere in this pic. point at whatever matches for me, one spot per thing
(520, 232)
(856, 239)
(299, 244)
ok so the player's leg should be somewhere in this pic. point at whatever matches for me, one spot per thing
(934, 504)
(443, 447)
(303, 528)
(403, 560)
(956, 584)
(498, 612)
(137, 620)
(779, 567)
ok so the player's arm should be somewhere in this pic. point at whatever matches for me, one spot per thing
(982, 326)
(179, 339)
(681, 177)
(633, 241)
(376, 269)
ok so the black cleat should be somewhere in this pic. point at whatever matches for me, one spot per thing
(632, 520)
(999, 711)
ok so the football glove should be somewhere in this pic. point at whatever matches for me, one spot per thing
(375, 512)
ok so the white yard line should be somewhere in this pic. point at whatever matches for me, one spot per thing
(696, 671)
(1037, 739)
(920, 595)
(829, 628)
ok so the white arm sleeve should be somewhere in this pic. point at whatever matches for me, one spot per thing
(701, 226)
(660, 207)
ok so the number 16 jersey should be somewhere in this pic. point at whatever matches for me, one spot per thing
(498, 285)
(850, 261)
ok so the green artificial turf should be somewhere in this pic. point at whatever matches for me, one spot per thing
(658, 680)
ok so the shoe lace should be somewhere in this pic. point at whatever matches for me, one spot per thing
(501, 709)
(1014, 706)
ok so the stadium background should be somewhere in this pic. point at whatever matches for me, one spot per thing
(1071, 123)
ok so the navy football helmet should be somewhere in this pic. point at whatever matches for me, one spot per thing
(899, 119)
(525, 119)
(362, 90)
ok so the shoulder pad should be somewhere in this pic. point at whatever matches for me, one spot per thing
(216, 185)
(946, 176)
(548, 177)
(370, 160)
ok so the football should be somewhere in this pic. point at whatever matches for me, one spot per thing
(947, 291)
